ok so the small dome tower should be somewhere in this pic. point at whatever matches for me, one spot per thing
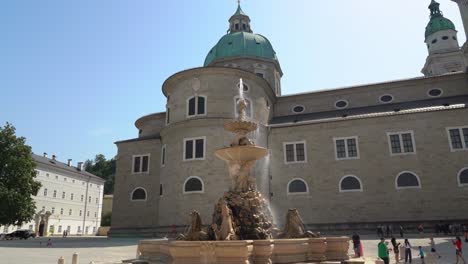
(441, 34)
(441, 39)
(239, 22)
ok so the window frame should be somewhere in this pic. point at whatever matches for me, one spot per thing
(295, 152)
(193, 192)
(407, 187)
(341, 108)
(299, 105)
(249, 105)
(383, 102)
(460, 184)
(435, 96)
(400, 133)
(464, 145)
(335, 139)
(353, 190)
(163, 155)
(196, 106)
(141, 163)
(139, 200)
(297, 193)
(194, 148)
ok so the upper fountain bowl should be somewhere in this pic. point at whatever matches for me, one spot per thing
(240, 127)
(241, 154)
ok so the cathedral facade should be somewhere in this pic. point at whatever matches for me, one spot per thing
(392, 152)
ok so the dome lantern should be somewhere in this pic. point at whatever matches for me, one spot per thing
(239, 22)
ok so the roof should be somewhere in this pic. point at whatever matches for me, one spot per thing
(238, 44)
(438, 104)
(139, 139)
(239, 12)
(438, 22)
(60, 165)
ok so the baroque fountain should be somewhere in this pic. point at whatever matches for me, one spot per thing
(242, 229)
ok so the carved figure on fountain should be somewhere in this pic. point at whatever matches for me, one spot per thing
(295, 227)
(223, 226)
(195, 231)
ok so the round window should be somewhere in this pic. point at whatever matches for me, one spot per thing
(341, 104)
(386, 98)
(298, 109)
(435, 92)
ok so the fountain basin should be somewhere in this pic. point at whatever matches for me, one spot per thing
(240, 126)
(241, 154)
(245, 251)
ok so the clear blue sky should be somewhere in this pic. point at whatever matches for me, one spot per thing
(75, 75)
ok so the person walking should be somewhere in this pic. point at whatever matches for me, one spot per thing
(383, 251)
(421, 254)
(401, 231)
(458, 249)
(396, 249)
(433, 249)
(408, 252)
(356, 245)
(49, 243)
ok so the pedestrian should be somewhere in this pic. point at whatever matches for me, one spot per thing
(387, 230)
(458, 249)
(420, 229)
(49, 243)
(421, 254)
(396, 249)
(408, 251)
(401, 231)
(433, 249)
(63, 233)
(356, 245)
(383, 251)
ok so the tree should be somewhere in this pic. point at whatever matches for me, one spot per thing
(17, 178)
(104, 169)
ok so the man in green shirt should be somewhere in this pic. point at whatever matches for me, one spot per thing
(383, 251)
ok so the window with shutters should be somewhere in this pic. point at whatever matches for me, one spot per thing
(458, 138)
(141, 163)
(401, 143)
(196, 106)
(346, 148)
(295, 152)
(194, 148)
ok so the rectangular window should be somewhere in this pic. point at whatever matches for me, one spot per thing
(53, 210)
(196, 106)
(89, 199)
(63, 195)
(82, 197)
(55, 194)
(401, 143)
(81, 212)
(70, 212)
(71, 196)
(78, 229)
(160, 189)
(458, 138)
(259, 74)
(45, 191)
(346, 148)
(167, 115)
(60, 229)
(141, 163)
(61, 211)
(163, 156)
(295, 152)
(194, 148)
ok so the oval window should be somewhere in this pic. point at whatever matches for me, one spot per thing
(435, 92)
(298, 109)
(386, 98)
(445, 37)
(341, 104)
(434, 41)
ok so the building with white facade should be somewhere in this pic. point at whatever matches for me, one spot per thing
(69, 199)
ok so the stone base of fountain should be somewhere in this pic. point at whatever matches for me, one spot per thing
(251, 215)
(302, 250)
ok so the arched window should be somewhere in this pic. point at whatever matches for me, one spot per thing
(407, 180)
(297, 186)
(463, 177)
(196, 105)
(248, 110)
(350, 183)
(194, 184)
(139, 194)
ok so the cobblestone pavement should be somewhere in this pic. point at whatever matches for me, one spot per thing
(98, 249)
(103, 250)
(444, 247)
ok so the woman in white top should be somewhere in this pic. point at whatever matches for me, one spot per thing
(408, 252)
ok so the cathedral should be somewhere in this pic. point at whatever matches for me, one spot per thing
(387, 153)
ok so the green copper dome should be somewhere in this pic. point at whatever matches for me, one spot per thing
(241, 44)
(438, 22)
